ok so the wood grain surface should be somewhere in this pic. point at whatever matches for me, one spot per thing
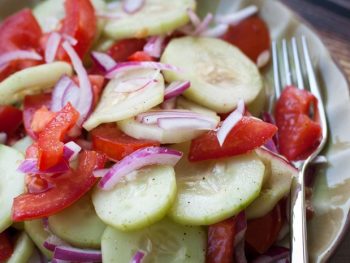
(331, 19)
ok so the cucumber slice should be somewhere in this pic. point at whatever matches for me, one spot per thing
(164, 242)
(276, 187)
(11, 183)
(211, 191)
(116, 106)
(220, 73)
(78, 224)
(35, 229)
(141, 200)
(24, 248)
(50, 12)
(139, 130)
(157, 17)
(22, 144)
(182, 103)
(31, 81)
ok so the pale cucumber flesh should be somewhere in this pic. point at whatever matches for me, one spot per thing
(163, 242)
(23, 250)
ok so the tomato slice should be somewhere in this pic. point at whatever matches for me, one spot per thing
(19, 31)
(262, 232)
(248, 134)
(123, 49)
(6, 248)
(67, 189)
(221, 238)
(50, 145)
(108, 139)
(41, 118)
(30, 105)
(251, 36)
(140, 56)
(298, 134)
(10, 119)
(80, 23)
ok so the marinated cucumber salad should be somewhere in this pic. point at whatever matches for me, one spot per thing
(137, 131)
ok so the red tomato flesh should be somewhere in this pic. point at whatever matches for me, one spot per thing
(6, 248)
(298, 134)
(80, 23)
(10, 119)
(262, 232)
(251, 36)
(67, 189)
(140, 56)
(115, 144)
(221, 237)
(248, 134)
(50, 145)
(123, 49)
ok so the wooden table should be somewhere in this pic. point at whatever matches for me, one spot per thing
(331, 18)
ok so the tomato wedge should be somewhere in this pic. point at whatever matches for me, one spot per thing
(298, 134)
(108, 139)
(6, 248)
(140, 56)
(20, 31)
(50, 145)
(10, 119)
(251, 36)
(123, 49)
(248, 134)
(80, 23)
(262, 232)
(221, 237)
(67, 189)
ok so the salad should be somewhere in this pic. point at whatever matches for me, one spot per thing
(137, 131)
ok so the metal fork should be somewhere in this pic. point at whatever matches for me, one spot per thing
(298, 240)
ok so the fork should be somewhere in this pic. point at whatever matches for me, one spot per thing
(298, 237)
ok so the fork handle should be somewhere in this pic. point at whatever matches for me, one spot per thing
(298, 229)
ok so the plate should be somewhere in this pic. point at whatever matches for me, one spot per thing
(331, 197)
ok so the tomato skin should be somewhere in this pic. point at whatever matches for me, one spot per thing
(50, 145)
(30, 105)
(251, 36)
(247, 135)
(140, 56)
(123, 49)
(19, 31)
(67, 189)
(10, 119)
(80, 23)
(262, 232)
(221, 236)
(298, 133)
(114, 143)
(6, 248)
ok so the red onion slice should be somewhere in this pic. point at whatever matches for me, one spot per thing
(125, 66)
(204, 24)
(58, 92)
(18, 55)
(3, 137)
(195, 20)
(77, 254)
(169, 104)
(263, 59)
(52, 242)
(55, 260)
(71, 151)
(86, 96)
(37, 185)
(138, 257)
(273, 255)
(52, 46)
(104, 61)
(136, 160)
(234, 18)
(230, 122)
(30, 166)
(132, 6)
(216, 31)
(100, 173)
(186, 123)
(176, 88)
(154, 46)
(71, 94)
(71, 40)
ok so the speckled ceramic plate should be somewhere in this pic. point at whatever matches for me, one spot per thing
(332, 189)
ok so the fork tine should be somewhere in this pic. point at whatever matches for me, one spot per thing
(297, 64)
(277, 83)
(286, 63)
